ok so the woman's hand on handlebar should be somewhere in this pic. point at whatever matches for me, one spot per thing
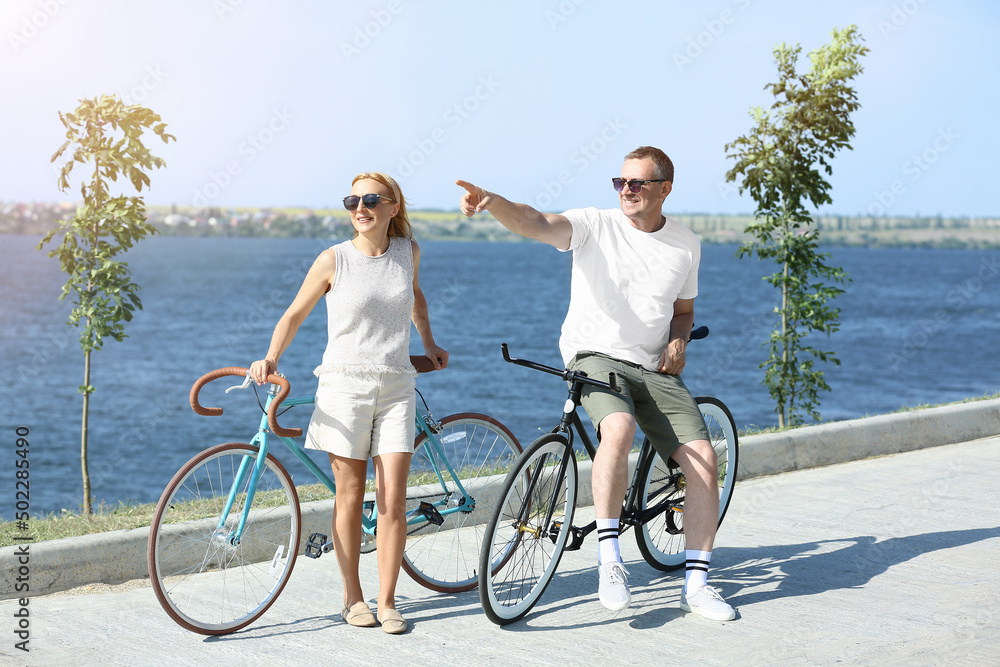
(437, 355)
(260, 369)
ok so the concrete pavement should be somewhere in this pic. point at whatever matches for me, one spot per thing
(891, 560)
(120, 556)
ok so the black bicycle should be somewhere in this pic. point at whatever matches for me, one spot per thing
(532, 525)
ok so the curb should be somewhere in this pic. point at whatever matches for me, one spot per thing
(120, 556)
(839, 442)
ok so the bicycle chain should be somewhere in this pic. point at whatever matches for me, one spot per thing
(415, 530)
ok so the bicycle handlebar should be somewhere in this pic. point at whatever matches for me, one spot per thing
(272, 411)
(565, 374)
(421, 363)
(696, 334)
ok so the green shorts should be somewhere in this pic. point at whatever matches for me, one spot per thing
(661, 404)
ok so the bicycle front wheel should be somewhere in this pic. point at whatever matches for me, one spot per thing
(207, 578)
(661, 538)
(480, 450)
(527, 533)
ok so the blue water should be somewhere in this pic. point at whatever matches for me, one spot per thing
(918, 326)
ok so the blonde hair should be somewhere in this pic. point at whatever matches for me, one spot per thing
(399, 225)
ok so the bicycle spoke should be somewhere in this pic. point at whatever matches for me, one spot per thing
(471, 452)
(205, 580)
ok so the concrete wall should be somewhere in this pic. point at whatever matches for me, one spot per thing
(120, 556)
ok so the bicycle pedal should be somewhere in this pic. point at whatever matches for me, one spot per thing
(576, 538)
(317, 545)
(429, 512)
(572, 544)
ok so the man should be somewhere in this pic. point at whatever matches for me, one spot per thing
(634, 280)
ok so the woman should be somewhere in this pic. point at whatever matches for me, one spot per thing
(365, 402)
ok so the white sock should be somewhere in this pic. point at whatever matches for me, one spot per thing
(696, 570)
(607, 540)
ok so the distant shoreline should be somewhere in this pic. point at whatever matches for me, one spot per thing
(289, 222)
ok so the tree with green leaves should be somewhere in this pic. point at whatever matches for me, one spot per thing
(781, 163)
(107, 134)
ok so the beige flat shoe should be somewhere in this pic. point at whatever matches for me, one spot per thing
(358, 615)
(392, 622)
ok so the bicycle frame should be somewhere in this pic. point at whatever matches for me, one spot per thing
(532, 526)
(569, 424)
(439, 463)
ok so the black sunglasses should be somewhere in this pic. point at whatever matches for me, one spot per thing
(633, 185)
(370, 201)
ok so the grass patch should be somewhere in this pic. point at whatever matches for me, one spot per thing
(757, 430)
(54, 526)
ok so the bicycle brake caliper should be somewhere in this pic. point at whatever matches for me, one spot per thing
(433, 424)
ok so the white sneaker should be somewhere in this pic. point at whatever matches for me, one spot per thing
(613, 589)
(707, 602)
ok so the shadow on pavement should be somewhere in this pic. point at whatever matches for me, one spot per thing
(792, 570)
(786, 570)
(816, 567)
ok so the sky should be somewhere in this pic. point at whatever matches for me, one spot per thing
(281, 104)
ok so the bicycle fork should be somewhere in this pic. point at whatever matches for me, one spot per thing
(545, 528)
(254, 467)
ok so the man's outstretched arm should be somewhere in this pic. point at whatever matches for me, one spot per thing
(550, 228)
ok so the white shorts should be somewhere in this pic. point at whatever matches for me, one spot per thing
(362, 417)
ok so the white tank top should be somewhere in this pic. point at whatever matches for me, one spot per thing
(369, 307)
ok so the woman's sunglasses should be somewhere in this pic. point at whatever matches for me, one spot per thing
(634, 186)
(370, 201)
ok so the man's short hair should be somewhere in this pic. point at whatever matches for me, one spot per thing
(662, 165)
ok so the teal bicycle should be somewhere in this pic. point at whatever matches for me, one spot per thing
(228, 527)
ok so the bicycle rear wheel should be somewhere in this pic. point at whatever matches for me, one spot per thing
(205, 580)
(481, 450)
(661, 538)
(527, 533)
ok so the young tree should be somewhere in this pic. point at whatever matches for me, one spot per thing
(108, 134)
(779, 162)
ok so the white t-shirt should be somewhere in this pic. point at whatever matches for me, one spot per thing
(624, 285)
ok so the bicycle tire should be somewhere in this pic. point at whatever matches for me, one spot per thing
(203, 582)
(661, 539)
(481, 451)
(518, 559)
